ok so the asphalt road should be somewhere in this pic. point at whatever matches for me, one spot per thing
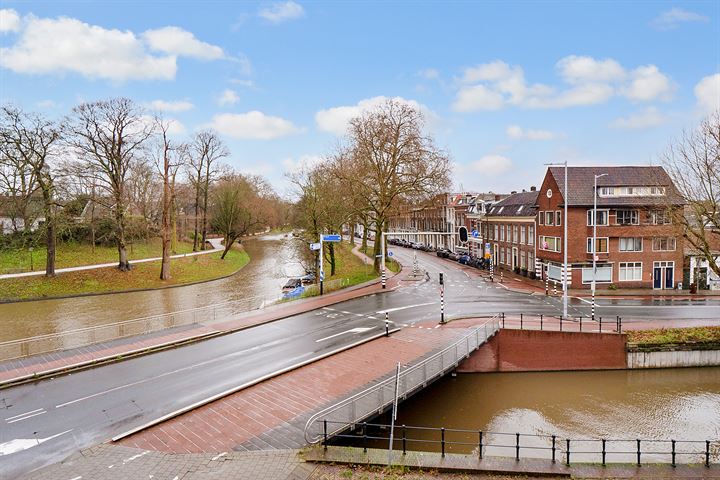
(45, 422)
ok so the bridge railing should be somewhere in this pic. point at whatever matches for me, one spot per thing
(380, 396)
(558, 323)
(553, 448)
(81, 337)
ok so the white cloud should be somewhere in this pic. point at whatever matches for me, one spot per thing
(648, 118)
(252, 125)
(175, 127)
(429, 73)
(675, 16)
(578, 69)
(176, 41)
(282, 11)
(9, 20)
(707, 93)
(47, 104)
(494, 85)
(477, 97)
(648, 83)
(492, 164)
(228, 97)
(171, 106)
(516, 132)
(292, 165)
(335, 120)
(67, 45)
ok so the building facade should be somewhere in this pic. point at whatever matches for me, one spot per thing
(509, 227)
(637, 245)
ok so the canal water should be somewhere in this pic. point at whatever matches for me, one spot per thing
(621, 404)
(273, 258)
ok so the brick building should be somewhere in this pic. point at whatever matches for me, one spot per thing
(509, 227)
(637, 244)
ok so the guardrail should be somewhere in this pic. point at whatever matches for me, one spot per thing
(81, 337)
(378, 397)
(558, 323)
(522, 445)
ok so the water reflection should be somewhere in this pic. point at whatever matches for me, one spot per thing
(273, 259)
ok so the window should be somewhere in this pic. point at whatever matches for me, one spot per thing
(502, 233)
(630, 271)
(558, 218)
(531, 235)
(664, 244)
(602, 216)
(600, 247)
(551, 244)
(631, 191)
(628, 217)
(531, 261)
(660, 217)
(522, 235)
(502, 255)
(541, 218)
(523, 265)
(631, 244)
(515, 234)
(602, 274)
(549, 218)
(496, 233)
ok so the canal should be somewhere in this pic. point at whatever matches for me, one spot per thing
(619, 404)
(273, 258)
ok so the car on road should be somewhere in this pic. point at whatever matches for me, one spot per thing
(308, 278)
(443, 252)
(463, 259)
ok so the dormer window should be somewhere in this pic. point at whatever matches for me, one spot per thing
(635, 191)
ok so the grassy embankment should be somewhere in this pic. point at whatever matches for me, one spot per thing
(75, 254)
(675, 336)
(390, 263)
(142, 276)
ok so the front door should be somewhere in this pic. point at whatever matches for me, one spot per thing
(657, 278)
(514, 258)
(669, 271)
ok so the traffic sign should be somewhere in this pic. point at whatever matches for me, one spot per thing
(322, 275)
(315, 246)
(475, 234)
(331, 238)
(390, 254)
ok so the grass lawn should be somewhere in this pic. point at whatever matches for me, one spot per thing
(75, 254)
(390, 262)
(144, 275)
(662, 336)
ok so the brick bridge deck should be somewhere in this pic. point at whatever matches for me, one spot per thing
(272, 414)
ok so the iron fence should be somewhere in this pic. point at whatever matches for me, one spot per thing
(558, 323)
(553, 448)
(377, 398)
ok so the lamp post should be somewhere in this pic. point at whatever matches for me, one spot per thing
(563, 276)
(594, 243)
(32, 267)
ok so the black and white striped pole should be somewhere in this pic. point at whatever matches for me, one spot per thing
(442, 299)
(547, 284)
(387, 324)
(592, 308)
(382, 259)
(492, 271)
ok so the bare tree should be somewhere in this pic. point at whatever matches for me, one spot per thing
(28, 141)
(18, 183)
(393, 159)
(238, 209)
(109, 136)
(693, 163)
(206, 149)
(168, 160)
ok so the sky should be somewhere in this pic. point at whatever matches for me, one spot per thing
(506, 87)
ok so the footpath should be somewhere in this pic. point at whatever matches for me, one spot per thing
(37, 366)
(216, 243)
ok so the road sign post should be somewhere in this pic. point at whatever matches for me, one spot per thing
(334, 238)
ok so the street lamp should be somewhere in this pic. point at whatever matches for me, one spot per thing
(565, 241)
(594, 243)
(32, 268)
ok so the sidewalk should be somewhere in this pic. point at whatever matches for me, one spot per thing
(216, 243)
(29, 368)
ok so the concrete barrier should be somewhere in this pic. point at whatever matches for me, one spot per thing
(672, 359)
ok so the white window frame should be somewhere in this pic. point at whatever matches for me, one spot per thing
(631, 211)
(590, 217)
(558, 218)
(543, 239)
(531, 235)
(586, 274)
(541, 218)
(589, 244)
(624, 266)
(515, 234)
(550, 215)
(620, 244)
(674, 244)
(663, 214)
(522, 234)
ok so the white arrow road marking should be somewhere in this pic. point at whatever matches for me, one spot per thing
(404, 308)
(20, 444)
(353, 330)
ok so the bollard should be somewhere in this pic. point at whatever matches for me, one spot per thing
(480, 444)
(561, 323)
(638, 452)
(364, 437)
(521, 321)
(672, 442)
(404, 439)
(620, 324)
(387, 324)
(517, 447)
(503, 320)
(707, 453)
(442, 305)
(501, 276)
(581, 323)
(603, 452)
(541, 318)
(325, 434)
(600, 324)
(567, 456)
(553, 449)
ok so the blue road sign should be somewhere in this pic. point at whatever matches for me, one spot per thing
(475, 234)
(390, 254)
(331, 238)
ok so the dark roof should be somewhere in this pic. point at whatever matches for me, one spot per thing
(581, 181)
(521, 204)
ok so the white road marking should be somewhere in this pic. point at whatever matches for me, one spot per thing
(218, 456)
(27, 416)
(20, 444)
(80, 478)
(404, 308)
(135, 456)
(437, 326)
(352, 330)
(23, 414)
(583, 300)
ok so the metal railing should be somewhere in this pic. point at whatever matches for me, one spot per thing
(558, 323)
(377, 398)
(81, 337)
(522, 445)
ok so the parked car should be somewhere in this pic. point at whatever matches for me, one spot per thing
(308, 278)
(464, 259)
(292, 284)
(442, 252)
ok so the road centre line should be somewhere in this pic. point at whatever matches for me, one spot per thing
(406, 307)
(27, 416)
(23, 414)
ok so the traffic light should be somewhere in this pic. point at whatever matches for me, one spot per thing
(463, 234)
(441, 278)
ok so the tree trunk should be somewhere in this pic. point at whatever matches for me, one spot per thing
(165, 267)
(363, 245)
(197, 212)
(205, 206)
(377, 244)
(123, 263)
(49, 228)
(228, 244)
(332, 259)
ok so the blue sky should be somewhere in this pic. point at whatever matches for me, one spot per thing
(506, 86)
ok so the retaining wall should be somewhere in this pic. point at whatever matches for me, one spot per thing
(671, 359)
(533, 350)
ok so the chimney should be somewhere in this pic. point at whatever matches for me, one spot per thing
(523, 190)
(513, 192)
(533, 188)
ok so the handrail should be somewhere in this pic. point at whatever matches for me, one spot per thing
(485, 331)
